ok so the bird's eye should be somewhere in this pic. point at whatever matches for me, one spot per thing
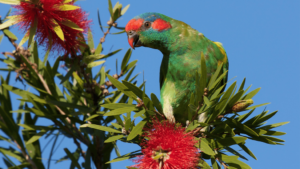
(147, 24)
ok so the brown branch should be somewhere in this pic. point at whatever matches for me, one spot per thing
(27, 157)
(79, 146)
(82, 138)
(105, 34)
(223, 164)
(141, 104)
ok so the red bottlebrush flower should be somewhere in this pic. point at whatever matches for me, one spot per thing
(54, 18)
(167, 146)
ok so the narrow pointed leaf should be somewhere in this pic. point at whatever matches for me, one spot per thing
(9, 34)
(136, 130)
(66, 7)
(57, 29)
(102, 128)
(10, 2)
(11, 21)
(71, 24)
(113, 138)
(120, 111)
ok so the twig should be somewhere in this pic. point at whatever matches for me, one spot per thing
(223, 164)
(141, 104)
(82, 138)
(79, 146)
(105, 34)
(26, 156)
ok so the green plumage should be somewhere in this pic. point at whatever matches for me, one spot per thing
(181, 46)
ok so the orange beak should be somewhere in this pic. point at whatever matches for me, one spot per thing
(130, 41)
(133, 39)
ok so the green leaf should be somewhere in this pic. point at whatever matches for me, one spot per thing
(120, 111)
(156, 103)
(136, 90)
(99, 20)
(78, 79)
(194, 124)
(214, 163)
(11, 152)
(110, 8)
(218, 80)
(117, 125)
(11, 21)
(113, 138)
(36, 137)
(253, 107)
(91, 58)
(90, 39)
(222, 104)
(111, 53)
(68, 75)
(125, 9)
(91, 117)
(136, 130)
(234, 163)
(73, 159)
(102, 128)
(229, 141)
(116, 33)
(66, 104)
(9, 34)
(129, 66)
(242, 85)
(57, 29)
(125, 157)
(241, 127)
(23, 40)
(251, 94)
(202, 164)
(140, 113)
(122, 87)
(1, 37)
(206, 148)
(126, 59)
(274, 125)
(65, 7)
(215, 75)
(23, 165)
(113, 106)
(10, 2)
(247, 150)
(71, 25)
(32, 30)
(98, 49)
(94, 64)
(231, 150)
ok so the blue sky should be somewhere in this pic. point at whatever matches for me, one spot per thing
(261, 39)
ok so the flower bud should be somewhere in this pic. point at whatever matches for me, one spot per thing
(116, 76)
(241, 105)
(109, 22)
(105, 92)
(108, 83)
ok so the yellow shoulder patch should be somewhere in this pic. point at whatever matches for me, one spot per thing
(220, 46)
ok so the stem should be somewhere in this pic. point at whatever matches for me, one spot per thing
(79, 146)
(223, 164)
(26, 156)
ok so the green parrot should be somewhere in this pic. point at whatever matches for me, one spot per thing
(181, 47)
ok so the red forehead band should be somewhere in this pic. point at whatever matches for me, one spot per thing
(161, 25)
(134, 24)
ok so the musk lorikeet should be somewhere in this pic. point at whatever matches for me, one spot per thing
(181, 46)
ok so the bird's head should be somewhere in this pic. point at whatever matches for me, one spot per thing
(149, 30)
